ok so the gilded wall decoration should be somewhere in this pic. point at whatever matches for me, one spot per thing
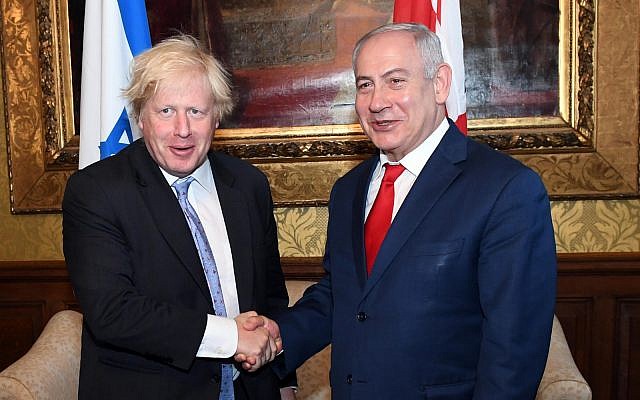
(315, 180)
(598, 43)
(25, 237)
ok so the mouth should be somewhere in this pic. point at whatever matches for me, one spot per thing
(382, 124)
(181, 150)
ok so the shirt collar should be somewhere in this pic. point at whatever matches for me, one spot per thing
(203, 175)
(417, 158)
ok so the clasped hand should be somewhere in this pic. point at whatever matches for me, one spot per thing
(258, 340)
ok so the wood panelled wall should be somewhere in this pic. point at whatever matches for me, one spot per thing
(598, 305)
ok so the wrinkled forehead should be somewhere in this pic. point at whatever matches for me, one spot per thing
(386, 50)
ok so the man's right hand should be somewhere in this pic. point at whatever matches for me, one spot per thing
(258, 340)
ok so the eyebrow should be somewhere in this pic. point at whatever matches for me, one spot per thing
(385, 75)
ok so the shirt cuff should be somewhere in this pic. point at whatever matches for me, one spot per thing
(220, 338)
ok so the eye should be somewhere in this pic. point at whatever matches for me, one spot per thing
(397, 81)
(364, 85)
(197, 113)
(166, 112)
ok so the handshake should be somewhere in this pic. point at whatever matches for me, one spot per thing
(259, 340)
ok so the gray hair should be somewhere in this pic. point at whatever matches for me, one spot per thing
(426, 41)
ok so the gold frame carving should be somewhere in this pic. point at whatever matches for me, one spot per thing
(589, 151)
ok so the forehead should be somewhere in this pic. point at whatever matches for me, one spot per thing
(395, 48)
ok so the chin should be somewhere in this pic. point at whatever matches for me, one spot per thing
(386, 145)
(181, 170)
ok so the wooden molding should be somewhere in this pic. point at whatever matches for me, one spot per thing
(300, 268)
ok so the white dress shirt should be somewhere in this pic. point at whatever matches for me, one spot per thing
(413, 163)
(221, 334)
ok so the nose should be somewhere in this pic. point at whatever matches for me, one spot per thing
(183, 125)
(379, 100)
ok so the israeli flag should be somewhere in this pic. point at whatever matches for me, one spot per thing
(114, 32)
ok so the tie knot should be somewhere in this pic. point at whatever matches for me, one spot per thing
(392, 172)
(182, 186)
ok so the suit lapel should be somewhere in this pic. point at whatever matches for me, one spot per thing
(436, 176)
(236, 218)
(359, 204)
(168, 216)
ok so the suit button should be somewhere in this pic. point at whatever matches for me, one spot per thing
(361, 316)
(349, 379)
(216, 378)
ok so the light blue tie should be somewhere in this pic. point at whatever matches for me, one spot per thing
(210, 270)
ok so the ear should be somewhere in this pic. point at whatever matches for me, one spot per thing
(442, 83)
(140, 123)
(217, 124)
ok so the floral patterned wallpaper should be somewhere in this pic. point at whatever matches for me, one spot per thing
(580, 226)
(596, 226)
(301, 231)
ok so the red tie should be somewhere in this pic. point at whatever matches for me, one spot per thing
(379, 219)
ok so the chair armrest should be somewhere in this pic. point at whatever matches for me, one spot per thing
(50, 369)
(561, 378)
(12, 389)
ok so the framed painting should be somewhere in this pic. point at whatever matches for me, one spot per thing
(561, 95)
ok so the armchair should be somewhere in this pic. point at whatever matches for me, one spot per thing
(50, 369)
(561, 379)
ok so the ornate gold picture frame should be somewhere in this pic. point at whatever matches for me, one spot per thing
(589, 151)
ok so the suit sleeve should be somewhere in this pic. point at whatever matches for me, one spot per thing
(517, 276)
(98, 258)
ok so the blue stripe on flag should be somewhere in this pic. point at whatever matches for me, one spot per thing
(113, 143)
(136, 26)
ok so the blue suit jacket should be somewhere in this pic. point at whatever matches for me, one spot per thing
(460, 301)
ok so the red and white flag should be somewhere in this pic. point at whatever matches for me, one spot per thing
(443, 18)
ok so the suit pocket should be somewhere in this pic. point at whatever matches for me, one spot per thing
(458, 390)
(428, 264)
(437, 248)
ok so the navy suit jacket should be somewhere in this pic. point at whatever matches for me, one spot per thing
(460, 301)
(139, 281)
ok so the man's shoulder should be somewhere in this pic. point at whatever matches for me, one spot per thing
(117, 165)
(496, 170)
(487, 159)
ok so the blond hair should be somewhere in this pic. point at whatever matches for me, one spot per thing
(178, 54)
